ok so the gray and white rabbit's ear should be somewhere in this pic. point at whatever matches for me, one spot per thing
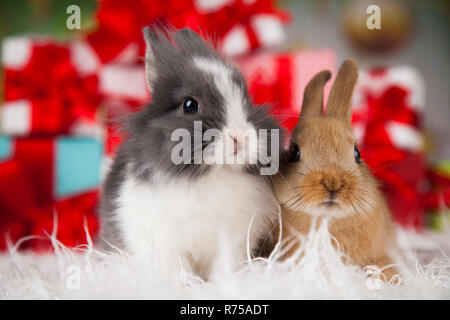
(151, 41)
(313, 98)
(188, 36)
(191, 43)
(339, 100)
(164, 46)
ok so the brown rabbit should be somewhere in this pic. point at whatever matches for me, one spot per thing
(329, 178)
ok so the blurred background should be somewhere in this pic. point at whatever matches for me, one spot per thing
(68, 72)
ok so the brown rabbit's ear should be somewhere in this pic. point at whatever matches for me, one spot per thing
(313, 97)
(339, 100)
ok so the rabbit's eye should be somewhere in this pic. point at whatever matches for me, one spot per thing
(295, 152)
(190, 105)
(357, 155)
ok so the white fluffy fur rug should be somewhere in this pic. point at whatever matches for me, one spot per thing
(86, 273)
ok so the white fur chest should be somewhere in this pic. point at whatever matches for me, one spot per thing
(183, 219)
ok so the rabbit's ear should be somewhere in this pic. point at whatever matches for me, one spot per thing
(339, 100)
(187, 39)
(151, 39)
(313, 97)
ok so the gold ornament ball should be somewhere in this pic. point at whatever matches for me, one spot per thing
(396, 24)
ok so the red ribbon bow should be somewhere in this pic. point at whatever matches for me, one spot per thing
(58, 93)
(121, 24)
(402, 173)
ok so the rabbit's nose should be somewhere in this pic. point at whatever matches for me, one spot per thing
(332, 195)
(332, 185)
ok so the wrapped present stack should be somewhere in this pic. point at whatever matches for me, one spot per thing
(57, 120)
(50, 144)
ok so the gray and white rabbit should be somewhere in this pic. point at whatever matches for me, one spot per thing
(177, 213)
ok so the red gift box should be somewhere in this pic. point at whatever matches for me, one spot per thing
(45, 93)
(279, 79)
(387, 114)
(29, 197)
